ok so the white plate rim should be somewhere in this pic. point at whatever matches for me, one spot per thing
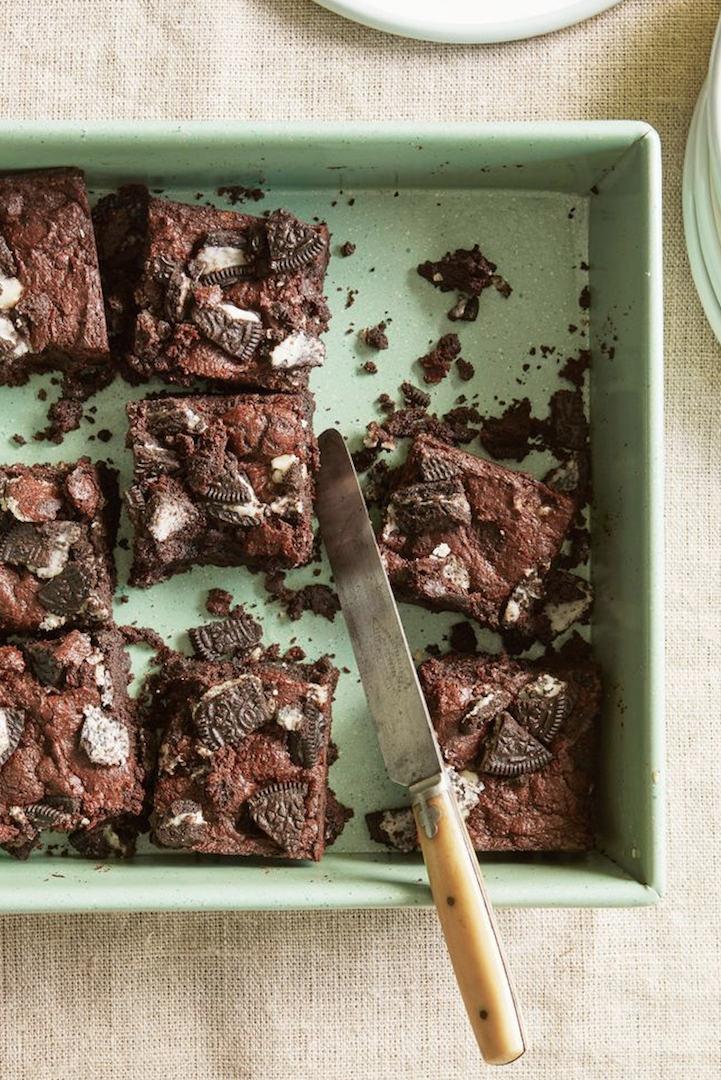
(475, 31)
(699, 272)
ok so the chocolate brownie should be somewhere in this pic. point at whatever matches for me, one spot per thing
(218, 295)
(243, 763)
(519, 737)
(221, 480)
(51, 304)
(70, 759)
(464, 534)
(57, 531)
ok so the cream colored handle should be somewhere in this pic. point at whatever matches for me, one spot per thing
(470, 929)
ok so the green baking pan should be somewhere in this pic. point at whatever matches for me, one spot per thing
(557, 206)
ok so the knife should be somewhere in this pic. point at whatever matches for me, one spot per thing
(412, 756)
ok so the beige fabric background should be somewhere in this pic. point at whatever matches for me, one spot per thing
(607, 994)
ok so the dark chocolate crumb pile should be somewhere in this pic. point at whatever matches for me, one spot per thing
(468, 272)
(347, 249)
(375, 337)
(437, 363)
(236, 193)
(218, 602)
(320, 599)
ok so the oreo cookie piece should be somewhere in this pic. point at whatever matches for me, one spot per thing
(306, 741)
(44, 664)
(228, 255)
(291, 244)
(21, 545)
(234, 330)
(236, 634)
(110, 839)
(65, 594)
(569, 425)
(510, 750)
(438, 468)
(12, 724)
(181, 826)
(54, 812)
(279, 810)
(177, 294)
(8, 266)
(542, 706)
(486, 707)
(431, 505)
(230, 711)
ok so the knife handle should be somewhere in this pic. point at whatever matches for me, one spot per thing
(469, 926)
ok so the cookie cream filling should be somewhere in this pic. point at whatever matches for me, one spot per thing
(14, 345)
(188, 817)
(212, 258)
(239, 314)
(167, 516)
(290, 717)
(280, 466)
(298, 350)
(103, 738)
(11, 290)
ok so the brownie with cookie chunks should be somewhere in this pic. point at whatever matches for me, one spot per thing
(217, 294)
(221, 480)
(243, 760)
(57, 531)
(71, 760)
(51, 304)
(519, 738)
(464, 534)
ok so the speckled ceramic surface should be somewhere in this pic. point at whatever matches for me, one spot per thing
(403, 194)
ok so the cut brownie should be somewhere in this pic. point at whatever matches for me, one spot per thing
(221, 295)
(520, 739)
(221, 480)
(463, 534)
(243, 764)
(51, 304)
(57, 531)
(69, 748)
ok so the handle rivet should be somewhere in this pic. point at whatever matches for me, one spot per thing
(450, 900)
(483, 1014)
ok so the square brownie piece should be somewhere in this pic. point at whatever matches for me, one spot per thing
(464, 534)
(218, 294)
(520, 739)
(224, 480)
(243, 763)
(57, 532)
(70, 759)
(51, 304)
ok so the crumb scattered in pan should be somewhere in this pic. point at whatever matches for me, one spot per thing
(437, 363)
(347, 249)
(413, 395)
(218, 602)
(236, 193)
(375, 337)
(319, 599)
(371, 367)
(465, 370)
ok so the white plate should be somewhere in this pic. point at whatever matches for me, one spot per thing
(690, 220)
(468, 21)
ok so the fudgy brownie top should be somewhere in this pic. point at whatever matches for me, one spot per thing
(520, 739)
(51, 305)
(221, 480)
(57, 531)
(68, 740)
(222, 295)
(244, 759)
(464, 534)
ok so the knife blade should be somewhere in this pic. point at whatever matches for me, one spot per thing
(412, 756)
(407, 739)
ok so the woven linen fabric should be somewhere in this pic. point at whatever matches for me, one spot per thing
(617, 995)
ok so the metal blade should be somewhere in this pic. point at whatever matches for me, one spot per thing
(397, 705)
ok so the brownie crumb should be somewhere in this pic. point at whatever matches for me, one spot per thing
(294, 654)
(143, 635)
(507, 437)
(465, 309)
(375, 336)
(350, 298)
(465, 271)
(386, 403)
(463, 638)
(320, 599)
(584, 299)
(218, 602)
(104, 435)
(42, 394)
(19, 439)
(371, 367)
(347, 249)
(437, 363)
(379, 482)
(465, 370)
(413, 395)
(236, 193)
(575, 368)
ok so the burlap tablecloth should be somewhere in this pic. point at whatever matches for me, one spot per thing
(607, 994)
